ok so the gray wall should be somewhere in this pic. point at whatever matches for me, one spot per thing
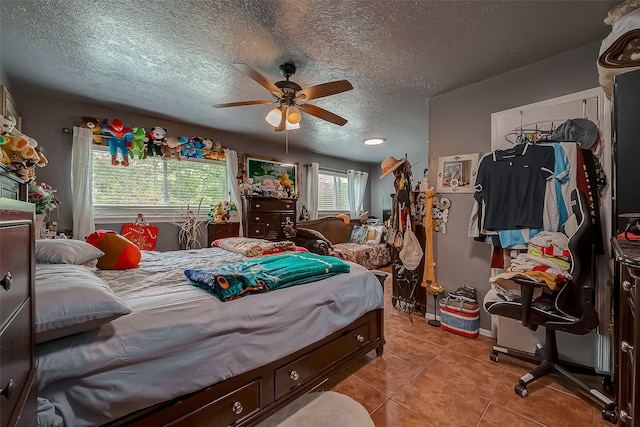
(460, 123)
(45, 114)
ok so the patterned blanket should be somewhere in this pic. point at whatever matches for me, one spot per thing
(253, 247)
(260, 275)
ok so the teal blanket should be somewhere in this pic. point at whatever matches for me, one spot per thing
(260, 275)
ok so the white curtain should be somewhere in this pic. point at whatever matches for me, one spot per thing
(311, 190)
(232, 173)
(357, 183)
(83, 221)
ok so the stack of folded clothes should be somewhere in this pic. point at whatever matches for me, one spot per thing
(546, 261)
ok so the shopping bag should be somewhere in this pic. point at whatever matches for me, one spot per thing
(460, 317)
(141, 233)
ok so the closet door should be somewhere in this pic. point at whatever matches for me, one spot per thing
(626, 146)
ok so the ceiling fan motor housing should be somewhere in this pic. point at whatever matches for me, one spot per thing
(287, 70)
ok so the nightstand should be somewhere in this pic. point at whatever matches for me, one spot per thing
(221, 231)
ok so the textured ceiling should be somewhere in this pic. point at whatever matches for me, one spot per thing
(174, 58)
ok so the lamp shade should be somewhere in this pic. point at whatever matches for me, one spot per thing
(274, 116)
(293, 115)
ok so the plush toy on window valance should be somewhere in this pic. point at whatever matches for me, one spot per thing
(118, 142)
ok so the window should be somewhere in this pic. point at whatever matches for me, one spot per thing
(333, 191)
(160, 189)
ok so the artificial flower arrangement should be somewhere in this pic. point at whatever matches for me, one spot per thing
(42, 195)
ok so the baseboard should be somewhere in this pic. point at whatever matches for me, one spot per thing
(487, 333)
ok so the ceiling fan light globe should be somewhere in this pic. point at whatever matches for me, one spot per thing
(291, 126)
(273, 117)
(293, 115)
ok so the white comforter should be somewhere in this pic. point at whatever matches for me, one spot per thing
(180, 338)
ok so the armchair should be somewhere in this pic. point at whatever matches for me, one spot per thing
(572, 311)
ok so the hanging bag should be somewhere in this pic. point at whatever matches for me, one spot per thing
(140, 233)
(411, 253)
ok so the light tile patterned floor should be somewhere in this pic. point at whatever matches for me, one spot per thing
(429, 377)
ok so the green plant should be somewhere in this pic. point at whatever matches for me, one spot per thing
(43, 196)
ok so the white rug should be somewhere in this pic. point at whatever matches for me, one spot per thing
(324, 409)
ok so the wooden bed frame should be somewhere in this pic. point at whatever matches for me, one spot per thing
(246, 399)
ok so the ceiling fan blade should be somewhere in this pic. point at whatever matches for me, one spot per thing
(260, 79)
(323, 114)
(324, 89)
(241, 103)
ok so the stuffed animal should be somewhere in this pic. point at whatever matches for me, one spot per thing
(219, 149)
(246, 188)
(207, 149)
(119, 252)
(118, 142)
(199, 145)
(220, 215)
(7, 124)
(93, 123)
(188, 147)
(155, 141)
(138, 148)
(22, 157)
(286, 182)
(171, 147)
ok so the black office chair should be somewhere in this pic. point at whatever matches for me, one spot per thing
(571, 309)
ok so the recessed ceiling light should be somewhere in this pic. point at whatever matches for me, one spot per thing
(373, 141)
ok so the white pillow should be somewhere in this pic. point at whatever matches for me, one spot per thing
(65, 251)
(380, 231)
(71, 299)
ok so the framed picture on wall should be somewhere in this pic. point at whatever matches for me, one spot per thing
(457, 174)
(8, 107)
(269, 172)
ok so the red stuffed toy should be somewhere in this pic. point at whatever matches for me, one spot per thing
(119, 252)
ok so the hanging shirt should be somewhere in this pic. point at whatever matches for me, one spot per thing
(511, 185)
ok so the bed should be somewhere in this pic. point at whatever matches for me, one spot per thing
(180, 356)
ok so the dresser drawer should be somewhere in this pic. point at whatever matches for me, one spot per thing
(15, 268)
(255, 230)
(302, 369)
(15, 355)
(227, 410)
(272, 205)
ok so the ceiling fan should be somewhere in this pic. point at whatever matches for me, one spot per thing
(292, 98)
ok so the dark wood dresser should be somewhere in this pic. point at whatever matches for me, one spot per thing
(265, 217)
(18, 406)
(627, 336)
(221, 231)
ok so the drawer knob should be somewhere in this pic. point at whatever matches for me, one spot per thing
(237, 408)
(294, 375)
(6, 281)
(8, 390)
(624, 416)
(359, 338)
(625, 346)
(627, 285)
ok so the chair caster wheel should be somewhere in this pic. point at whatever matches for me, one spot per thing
(610, 416)
(494, 356)
(521, 390)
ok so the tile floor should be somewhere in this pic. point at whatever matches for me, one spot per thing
(429, 377)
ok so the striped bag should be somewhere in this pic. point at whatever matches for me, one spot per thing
(460, 317)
